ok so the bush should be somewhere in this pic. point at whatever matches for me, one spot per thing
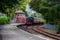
(3, 20)
(58, 29)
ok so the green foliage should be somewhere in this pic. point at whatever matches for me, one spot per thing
(3, 20)
(4, 4)
(58, 29)
(9, 6)
(48, 8)
(23, 4)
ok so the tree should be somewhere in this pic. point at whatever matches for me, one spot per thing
(48, 8)
(4, 4)
(9, 6)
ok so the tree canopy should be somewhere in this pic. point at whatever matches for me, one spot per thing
(9, 6)
(4, 4)
(49, 8)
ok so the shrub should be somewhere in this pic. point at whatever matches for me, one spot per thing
(58, 29)
(3, 20)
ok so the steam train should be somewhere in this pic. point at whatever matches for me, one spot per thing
(32, 21)
(21, 18)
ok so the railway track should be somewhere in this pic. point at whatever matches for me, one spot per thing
(37, 30)
(41, 31)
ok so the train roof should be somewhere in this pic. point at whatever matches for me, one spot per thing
(19, 11)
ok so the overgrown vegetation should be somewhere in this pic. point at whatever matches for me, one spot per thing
(3, 20)
(50, 9)
(9, 6)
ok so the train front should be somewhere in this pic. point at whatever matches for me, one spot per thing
(29, 20)
(34, 21)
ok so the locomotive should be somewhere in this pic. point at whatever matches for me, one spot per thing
(32, 21)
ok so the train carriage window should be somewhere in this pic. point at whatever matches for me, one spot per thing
(19, 14)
